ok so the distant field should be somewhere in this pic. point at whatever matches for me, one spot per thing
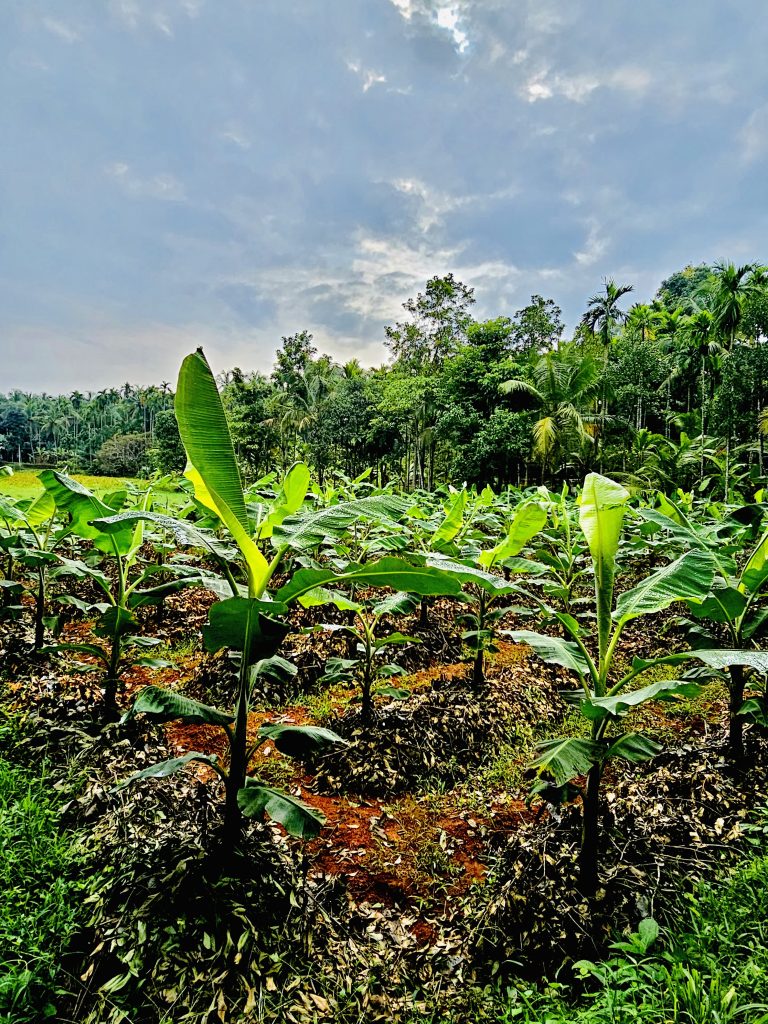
(24, 484)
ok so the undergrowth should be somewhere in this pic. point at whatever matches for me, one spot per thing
(714, 970)
(39, 892)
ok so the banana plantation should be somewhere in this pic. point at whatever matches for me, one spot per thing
(357, 749)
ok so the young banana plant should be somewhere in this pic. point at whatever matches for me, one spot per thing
(605, 700)
(30, 539)
(368, 668)
(485, 590)
(251, 621)
(132, 586)
(733, 613)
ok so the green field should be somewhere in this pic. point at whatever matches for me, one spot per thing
(24, 483)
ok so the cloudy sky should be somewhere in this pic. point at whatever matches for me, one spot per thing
(225, 172)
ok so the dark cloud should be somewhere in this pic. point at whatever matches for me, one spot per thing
(234, 171)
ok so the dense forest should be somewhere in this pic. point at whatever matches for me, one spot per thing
(659, 394)
(653, 393)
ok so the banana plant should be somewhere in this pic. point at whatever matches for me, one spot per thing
(485, 589)
(132, 586)
(733, 614)
(605, 700)
(562, 550)
(368, 668)
(30, 542)
(252, 620)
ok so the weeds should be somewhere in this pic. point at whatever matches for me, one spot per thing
(39, 894)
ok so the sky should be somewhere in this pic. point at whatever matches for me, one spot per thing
(176, 173)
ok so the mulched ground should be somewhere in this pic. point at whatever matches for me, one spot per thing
(424, 878)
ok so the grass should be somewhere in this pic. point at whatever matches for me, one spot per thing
(714, 970)
(39, 895)
(24, 484)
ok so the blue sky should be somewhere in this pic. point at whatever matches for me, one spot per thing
(185, 172)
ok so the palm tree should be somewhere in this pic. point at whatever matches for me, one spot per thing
(643, 320)
(603, 315)
(728, 290)
(565, 386)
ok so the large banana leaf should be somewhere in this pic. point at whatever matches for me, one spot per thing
(302, 822)
(680, 529)
(471, 574)
(722, 604)
(622, 704)
(528, 520)
(300, 741)
(161, 705)
(83, 506)
(290, 498)
(713, 657)
(163, 769)
(232, 622)
(687, 578)
(185, 533)
(601, 516)
(756, 570)
(41, 509)
(307, 530)
(396, 573)
(212, 464)
(552, 649)
(451, 524)
(634, 747)
(568, 757)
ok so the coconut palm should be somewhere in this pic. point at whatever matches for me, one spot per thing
(565, 386)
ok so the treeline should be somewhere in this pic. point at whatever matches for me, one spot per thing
(670, 394)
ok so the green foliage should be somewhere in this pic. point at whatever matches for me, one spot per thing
(40, 895)
(712, 968)
(123, 455)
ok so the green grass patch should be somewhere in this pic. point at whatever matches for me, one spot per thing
(714, 970)
(39, 894)
(24, 484)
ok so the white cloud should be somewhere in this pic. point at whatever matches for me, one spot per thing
(753, 136)
(234, 134)
(159, 186)
(446, 16)
(435, 205)
(60, 29)
(369, 77)
(595, 247)
(542, 86)
(162, 23)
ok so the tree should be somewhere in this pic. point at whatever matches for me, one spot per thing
(728, 290)
(538, 326)
(438, 323)
(123, 455)
(642, 320)
(167, 454)
(679, 289)
(603, 314)
(248, 399)
(564, 386)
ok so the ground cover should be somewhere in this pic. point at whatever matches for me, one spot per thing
(375, 756)
(24, 484)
